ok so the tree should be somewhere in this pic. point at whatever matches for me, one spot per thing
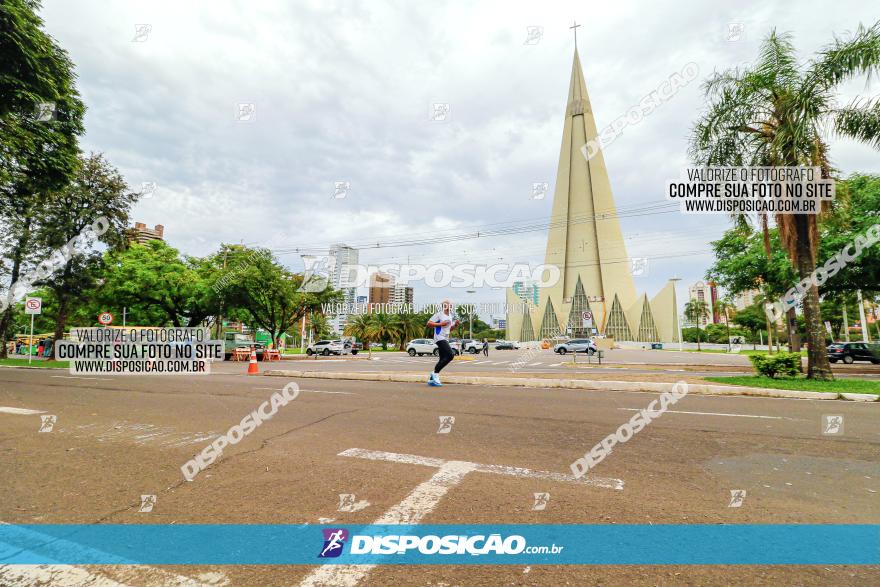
(724, 308)
(360, 328)
(410, 325)
(38, 154)
(694, 311)
(97, 191)
(384, 328)
(753, 319)
(153, 280)
(779, 113)
(270, 294)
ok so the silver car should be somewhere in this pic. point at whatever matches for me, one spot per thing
(328, 347)
(576, 345)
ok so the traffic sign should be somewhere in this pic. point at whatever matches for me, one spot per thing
(587, 318)
(33, 306)
(105, 318)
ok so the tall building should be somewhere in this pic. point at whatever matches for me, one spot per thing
(528, 291)
(746, 299)
(585, 242)
(381, 286)
(343, 260)
(705, 292)
(402, 294)
(140, 234)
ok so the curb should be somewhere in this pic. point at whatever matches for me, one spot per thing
(694, 388)
(861, 397)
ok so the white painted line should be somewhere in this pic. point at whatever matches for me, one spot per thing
(415, 506)
(310, 391)
(376, 455)
(52, 575)
(422, 501)
(536, 364)
(20, 411)
(74, 377)
(556, 364)
(716, 414)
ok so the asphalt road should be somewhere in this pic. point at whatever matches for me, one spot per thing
(633, 361)
(117, 438)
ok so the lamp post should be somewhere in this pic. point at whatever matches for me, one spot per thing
(471, 316)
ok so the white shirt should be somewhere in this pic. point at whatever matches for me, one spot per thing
(443, 333)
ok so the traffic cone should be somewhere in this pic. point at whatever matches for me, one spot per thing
(253, 369)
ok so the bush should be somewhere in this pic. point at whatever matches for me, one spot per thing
(780, 364)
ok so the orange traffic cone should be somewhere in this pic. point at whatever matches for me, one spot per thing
(253, 369)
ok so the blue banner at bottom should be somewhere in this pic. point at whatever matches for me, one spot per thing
(484, 544)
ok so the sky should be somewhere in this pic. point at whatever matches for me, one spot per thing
(343, 91)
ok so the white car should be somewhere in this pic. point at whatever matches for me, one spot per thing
(328, 347)
(426, 346)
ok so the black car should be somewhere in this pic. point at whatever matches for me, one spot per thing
(849, 352)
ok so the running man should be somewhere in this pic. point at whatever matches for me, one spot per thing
(442, 322)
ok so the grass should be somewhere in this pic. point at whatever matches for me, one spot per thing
(36, 363)
(802, 384)
(744, 351)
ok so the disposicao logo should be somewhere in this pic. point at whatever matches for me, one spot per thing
(334, 540)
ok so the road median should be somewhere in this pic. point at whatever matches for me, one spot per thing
(658, 387)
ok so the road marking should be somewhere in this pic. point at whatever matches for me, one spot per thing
(424, 498)
(20, 411)
(310, 391)
(716, 414)
(536, 364)
(64, 575)
(73, 377)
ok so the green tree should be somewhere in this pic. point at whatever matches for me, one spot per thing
(38, 154)
(271, 294)
(725, 308)
(409, 325)
(694, 311)
(384, 328)
(153, 280)
(779, 113)
(97, 193)
(359, 326)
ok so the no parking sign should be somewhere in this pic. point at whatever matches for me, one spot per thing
(587, 318)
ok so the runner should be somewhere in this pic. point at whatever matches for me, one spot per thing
(442, 322)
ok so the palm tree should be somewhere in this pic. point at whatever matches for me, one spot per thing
(360, 327)
(409, 325)
(723, 308)
(779, 113)
(694, 311)
(383, 327)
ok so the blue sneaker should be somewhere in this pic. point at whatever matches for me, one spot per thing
(435, 383)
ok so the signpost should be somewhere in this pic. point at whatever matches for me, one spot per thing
(587, 318)
(32, 306)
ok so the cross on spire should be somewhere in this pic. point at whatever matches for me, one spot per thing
(575, 27)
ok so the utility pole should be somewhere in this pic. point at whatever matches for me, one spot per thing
(220, 313)
(674, 281)
(864, 322)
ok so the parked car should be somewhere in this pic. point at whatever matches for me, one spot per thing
(237, 340)
(356, 347)
(426, 346)
(849, 352)
(328, 347)
(470, 345)
(455, 343)
(511, 345)
(576, 345)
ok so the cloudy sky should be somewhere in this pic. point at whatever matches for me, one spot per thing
(343, 92)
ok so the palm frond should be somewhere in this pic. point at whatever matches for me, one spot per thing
(846, 58)
(859, 121)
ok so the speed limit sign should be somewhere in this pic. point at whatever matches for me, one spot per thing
(105, 318)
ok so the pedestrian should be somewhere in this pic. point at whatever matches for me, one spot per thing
(485, 347)
(442, 322)
(40, 348)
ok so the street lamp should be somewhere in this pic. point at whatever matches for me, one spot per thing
(471, 316)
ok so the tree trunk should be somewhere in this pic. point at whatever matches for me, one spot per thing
(61, 319)
(818, 366)
(794, 337)
(17, 258)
